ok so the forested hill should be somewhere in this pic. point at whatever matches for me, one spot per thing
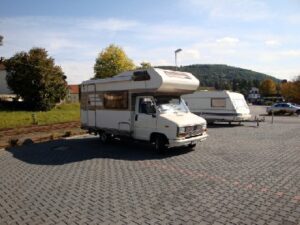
(223, 76)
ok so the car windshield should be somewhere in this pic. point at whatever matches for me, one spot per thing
(168, 104)
(294, 104)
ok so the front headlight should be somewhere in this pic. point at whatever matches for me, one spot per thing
(181, 130)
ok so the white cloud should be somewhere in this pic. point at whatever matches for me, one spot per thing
(191, 54)
(272, 42)
(75, 43)
(277, 71)
(111, 24)
(168, 32)
(77, 71)
(228, 41)
(293, 19)
(279, 55)
(291, 53)
(248, 10)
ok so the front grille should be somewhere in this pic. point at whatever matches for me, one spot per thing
(192, 131)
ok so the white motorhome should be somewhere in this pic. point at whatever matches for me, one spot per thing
(217, 106)
(143, 105)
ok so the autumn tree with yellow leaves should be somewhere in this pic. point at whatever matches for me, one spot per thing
(291, 90)
(267, 87)
(111, 61)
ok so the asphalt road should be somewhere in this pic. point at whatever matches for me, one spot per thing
(239, 175)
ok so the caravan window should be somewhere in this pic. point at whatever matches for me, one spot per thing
(218, 102)
(116, 100)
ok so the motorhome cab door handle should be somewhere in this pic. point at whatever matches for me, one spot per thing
(136, 117)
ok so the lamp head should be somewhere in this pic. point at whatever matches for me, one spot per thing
(178, 50)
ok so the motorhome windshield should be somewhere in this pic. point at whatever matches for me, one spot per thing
(168, 104)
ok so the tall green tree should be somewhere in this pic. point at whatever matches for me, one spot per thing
(111, 61)
(267, 87)
(36, 79)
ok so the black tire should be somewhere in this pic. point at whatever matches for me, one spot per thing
(105, 138)
(160, 144)
(192, 146)
(298, 112)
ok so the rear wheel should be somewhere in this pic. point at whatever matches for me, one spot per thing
(298, 112)
(160, 144)
(105, 137)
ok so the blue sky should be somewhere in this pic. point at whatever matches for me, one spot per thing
(260, 35)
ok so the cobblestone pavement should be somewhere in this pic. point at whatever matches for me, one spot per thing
(240, 175)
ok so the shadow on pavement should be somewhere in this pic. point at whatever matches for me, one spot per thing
(61, 152)
(224, 125)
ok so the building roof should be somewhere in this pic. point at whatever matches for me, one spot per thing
(74, 88)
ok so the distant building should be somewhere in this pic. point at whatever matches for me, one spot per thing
(5, 93)
(253, 95)
(73, 93)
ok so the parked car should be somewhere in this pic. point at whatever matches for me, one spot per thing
(283, 107)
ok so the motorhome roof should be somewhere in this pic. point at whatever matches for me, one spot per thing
(152, 79)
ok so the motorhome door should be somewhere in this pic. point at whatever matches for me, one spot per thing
(91, 105)
(144, 118)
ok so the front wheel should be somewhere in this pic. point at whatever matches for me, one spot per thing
(160, 144)
(192, 146)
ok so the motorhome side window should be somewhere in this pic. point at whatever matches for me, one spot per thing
(218, 102)
(140, 76)
(116, 100)
(146, 106)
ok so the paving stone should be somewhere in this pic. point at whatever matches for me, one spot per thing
(239, 175)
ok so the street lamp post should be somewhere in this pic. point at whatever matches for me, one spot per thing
(177, 51)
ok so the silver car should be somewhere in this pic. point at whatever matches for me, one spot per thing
(284, 107)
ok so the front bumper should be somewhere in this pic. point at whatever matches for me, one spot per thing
(183, 142)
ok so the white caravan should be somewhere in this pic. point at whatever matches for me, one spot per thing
(143, 105)
(218, 106)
